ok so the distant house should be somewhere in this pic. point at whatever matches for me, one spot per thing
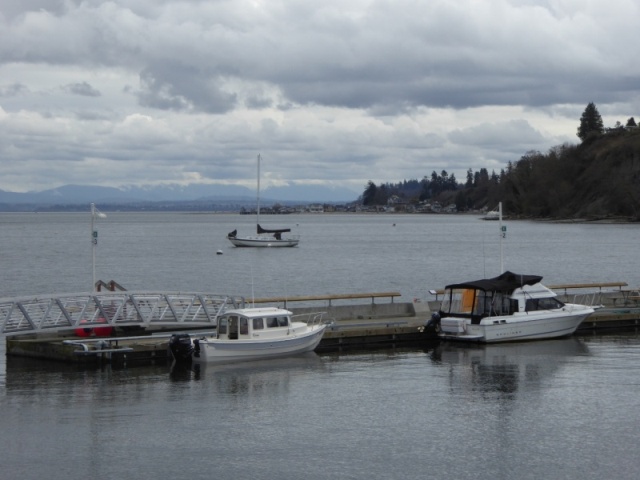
(423, 207)
(451, 208)
(397, 204)
(315, 208)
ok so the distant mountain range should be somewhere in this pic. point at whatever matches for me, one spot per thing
(223, 195)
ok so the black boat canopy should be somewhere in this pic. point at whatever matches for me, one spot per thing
(507, 282)
(264, 230)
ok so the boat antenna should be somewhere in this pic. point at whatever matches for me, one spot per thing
(484, 255)
(253, 295)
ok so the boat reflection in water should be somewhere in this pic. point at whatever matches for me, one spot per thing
(506, 368)
(248, 378)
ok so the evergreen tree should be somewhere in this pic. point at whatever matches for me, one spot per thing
(469, 183)
(590, 122)
(369, 195)
(631, 122)
(453, 183)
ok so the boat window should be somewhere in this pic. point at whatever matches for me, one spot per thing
(244, 326)
(258, 324)
(509, 306)
(233, 328)
(458, 301)
(483, 304)
(550, 303)
(272, 322)
(283, 321)
(222, 326)
(503, 305)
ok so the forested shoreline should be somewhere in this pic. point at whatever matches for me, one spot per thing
(596, 179)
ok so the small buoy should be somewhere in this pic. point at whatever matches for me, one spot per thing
(103, 331)
(219, 252)
(83, 332)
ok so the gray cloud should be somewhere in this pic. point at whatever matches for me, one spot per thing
(332, 92)
(82, 88)
(13, 90)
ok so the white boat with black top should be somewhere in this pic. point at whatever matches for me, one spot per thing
(510, 307)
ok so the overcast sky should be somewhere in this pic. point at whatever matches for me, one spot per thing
(333, 92)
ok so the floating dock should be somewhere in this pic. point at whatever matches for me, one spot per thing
(358, 321)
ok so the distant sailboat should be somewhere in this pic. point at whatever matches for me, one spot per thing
(265, 237)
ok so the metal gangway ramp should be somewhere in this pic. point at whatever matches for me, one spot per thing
(55, 313)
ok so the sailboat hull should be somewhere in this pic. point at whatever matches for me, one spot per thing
(264, 241)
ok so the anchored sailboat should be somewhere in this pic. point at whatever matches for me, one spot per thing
(265, 237)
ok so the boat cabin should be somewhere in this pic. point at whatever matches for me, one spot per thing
(501, 296)
(253, 323)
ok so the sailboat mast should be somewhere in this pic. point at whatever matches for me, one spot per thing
(502, 235)
(258, 193)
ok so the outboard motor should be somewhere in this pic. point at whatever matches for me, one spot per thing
(432, 327)
(181, 347)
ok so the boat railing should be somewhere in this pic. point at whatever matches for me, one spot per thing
(598, 295)
(589, 286)
(590, 299)
(311, 318)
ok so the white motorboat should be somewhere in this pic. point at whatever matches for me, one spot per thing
(506, 308)
(265, 237)
(492, 215)
(250, 334)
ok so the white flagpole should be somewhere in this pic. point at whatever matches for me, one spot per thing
(94, 241)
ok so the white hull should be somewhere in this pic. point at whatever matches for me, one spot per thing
(264, 241)
(519, 327)
(224, 351)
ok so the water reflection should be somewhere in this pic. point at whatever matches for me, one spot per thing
(506, 369)
(264, 377)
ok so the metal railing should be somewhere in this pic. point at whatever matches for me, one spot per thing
(329, 298)
(116, 309)
(311, 318)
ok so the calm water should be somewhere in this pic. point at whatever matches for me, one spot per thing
(556, 409)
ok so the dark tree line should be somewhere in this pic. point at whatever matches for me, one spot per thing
(411, 191)
(599, 177)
